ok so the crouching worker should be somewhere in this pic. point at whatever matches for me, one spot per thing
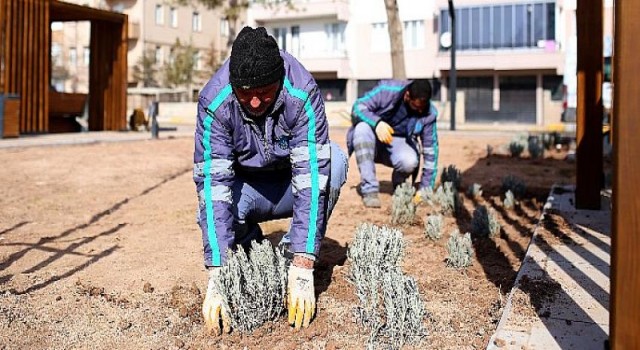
(262, 152)
(387, 122)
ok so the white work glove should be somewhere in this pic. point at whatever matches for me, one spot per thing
(213, 310)
(384, 132)
(301, 298)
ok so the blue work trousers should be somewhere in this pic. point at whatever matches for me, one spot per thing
(399, 155)
(261, 197)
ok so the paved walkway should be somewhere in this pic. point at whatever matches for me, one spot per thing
(564, 279)
(171, 131)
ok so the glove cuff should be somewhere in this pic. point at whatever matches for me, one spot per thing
(305, 261)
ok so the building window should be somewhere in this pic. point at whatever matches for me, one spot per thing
(280, 34)
(158, 55)
(380, 37)
(173, 13)
(86, 56)
(295, 41)
(172, 58)
(224, 27)
(159, 14)
(333, 90)
(528, 25)
(73, 56)
(335, 37)
(56, 55)
(413, 34)
(196, 22)
(197, 62)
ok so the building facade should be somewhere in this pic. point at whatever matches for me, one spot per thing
(511, 54)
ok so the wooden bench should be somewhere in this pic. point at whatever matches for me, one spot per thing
(63, 110)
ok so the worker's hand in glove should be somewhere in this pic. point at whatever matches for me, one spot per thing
(301, 299)
(384, 132)
(216, 316)
(417, 198)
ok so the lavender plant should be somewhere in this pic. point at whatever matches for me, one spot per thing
(515, 149)
(475, 191)
(509, 201)
(253, 287)
(433, 227)
(535, 148)
(404, 310)
(403, 209)
(549, 140)
(390, 305)
(451, 174)
(489, 151)
(515, 185)
(447, 197)
(426, 196)
(484, 222)
(460, 250)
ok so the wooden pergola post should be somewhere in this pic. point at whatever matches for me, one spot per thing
(625, 264)
(589, 109)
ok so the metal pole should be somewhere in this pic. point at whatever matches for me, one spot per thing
(154, 120)
(452, 72)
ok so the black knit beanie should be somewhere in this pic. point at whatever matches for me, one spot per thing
(255, 59)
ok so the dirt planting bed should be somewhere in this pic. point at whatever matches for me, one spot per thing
(99, 249)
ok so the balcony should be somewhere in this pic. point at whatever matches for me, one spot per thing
(134, 30)
(272, 11)
(334, 67)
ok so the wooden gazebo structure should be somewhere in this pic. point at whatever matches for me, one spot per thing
(25, 64)
(625, 131)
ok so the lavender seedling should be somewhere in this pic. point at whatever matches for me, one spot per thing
(484, 222)
(426, 196)
(447, 197)
(253, 287)
(515, 185)
(536, 150)
(390, 305)
(433, 227)
(509, 201)
(451, 174)
(404, 310)
(515, 149)
(403, 209)
(475, 191)
(460, 250)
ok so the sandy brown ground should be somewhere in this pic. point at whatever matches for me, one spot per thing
(99, 249)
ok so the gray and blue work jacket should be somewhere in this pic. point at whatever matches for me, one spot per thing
(293, 138)
(386, 103)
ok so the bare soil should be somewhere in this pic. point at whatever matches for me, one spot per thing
(99, 249)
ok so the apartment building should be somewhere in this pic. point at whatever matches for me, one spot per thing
(313, 31)
(153, 29)
(511, 54)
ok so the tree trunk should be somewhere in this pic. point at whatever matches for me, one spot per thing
(395, 38)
